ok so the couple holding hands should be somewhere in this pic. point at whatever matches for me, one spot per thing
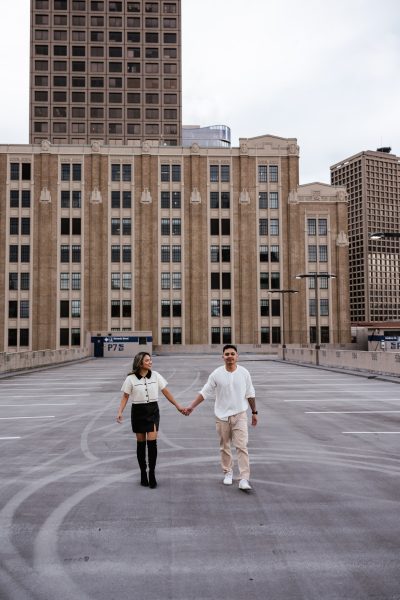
(230, 385)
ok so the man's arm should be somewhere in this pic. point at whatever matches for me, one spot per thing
(198, 400)
(252, 403)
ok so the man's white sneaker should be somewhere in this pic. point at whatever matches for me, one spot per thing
(244, 485)
(228, 479)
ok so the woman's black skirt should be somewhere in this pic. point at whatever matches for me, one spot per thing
(144, 417)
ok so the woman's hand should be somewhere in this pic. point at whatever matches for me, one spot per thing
(119, 418)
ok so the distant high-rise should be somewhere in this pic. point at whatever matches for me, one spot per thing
(372, 180)
(105, 70)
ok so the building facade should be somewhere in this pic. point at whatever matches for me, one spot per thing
(372, 180)
(192, 244)
(106, 70)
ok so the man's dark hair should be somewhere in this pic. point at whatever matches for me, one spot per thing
(227, 346)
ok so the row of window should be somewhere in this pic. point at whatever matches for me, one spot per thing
(70, 308)
(115, 37)
(98, 112)
(123, 172)
(171, 253)
(101, 5)
(23, 279)
(121, 308)
(94, 82)
(19, 253)
(23, 309)
(322, 226)
(14, 334)
(273, 226)
(20, 226)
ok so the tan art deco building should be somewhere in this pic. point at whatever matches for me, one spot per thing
(189, 243)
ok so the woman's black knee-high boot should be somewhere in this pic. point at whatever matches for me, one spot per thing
(152, 453)
(141, 456)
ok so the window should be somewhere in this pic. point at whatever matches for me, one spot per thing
(215, 308)
(215, 335)
(115, 199)
(25, 198)
(12, 309)
(165, 253)
(14, 198)
(115, 226)
(264, 281)
(226, 308)
(76, 281)
(225, 253)
(126, 308)
(312, 253)
(214, 200)
(25, 253)
(165, 308)
(214, 253)
(165, 335)
(75, 336)
(274, 227)
(312, 226)
(273, 173)
(64, 226)
(226, 281)
(176, 281)
(225, 199)
(275, 281)
(115, 281)
(263, 253)
(115, 308)
(226, 335)
(273, 200)
(76, 253)
(126, 281)
(322, 226)
(165, 281)
(274, 253)
(76, 199)
(12, 337)
(14, 225)
(126, 226)
(13, 281)
(64, 281)
(176, 254)
(262, 173)
(64, 309)
(176, 308)
(276, 335)
(312, 307)
(214, 173)
(324, 307)
(126, 253)
(263, 226)
(13, 253)
(165, 226)
(276, 307)
(64, 336)
(225, 226)
(176, 227)
(265, 335)
(126, 199)
(323, 253)
(264, 307)
(24, 337)
(214, 226)
(324, 334)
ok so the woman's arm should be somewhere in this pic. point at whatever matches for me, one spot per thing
(122, 405)
(171, 399)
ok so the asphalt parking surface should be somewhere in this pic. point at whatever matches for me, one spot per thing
(322, 521)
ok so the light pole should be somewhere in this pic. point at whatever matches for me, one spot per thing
(316, 276)
(283, 292)
(380, 235)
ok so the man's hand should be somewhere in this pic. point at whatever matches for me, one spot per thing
(186, 411)
(254, 420)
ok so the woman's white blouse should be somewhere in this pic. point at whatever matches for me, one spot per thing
(145, 389)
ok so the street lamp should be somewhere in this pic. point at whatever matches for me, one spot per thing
(380, 235)
(283, 292)
(316, 276)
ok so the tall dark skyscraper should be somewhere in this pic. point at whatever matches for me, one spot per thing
(105, 70)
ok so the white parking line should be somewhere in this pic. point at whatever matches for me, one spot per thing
(15, 418)
(16, 437)
(344, 400)
(49, 396)
(349, 412)
(370, 431)
(48, 404)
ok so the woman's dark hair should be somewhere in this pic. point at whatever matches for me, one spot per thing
(137, 362)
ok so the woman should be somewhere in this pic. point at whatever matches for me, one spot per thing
(143, 385)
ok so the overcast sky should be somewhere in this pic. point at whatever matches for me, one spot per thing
(324, 72)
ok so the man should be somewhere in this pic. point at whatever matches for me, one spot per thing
(233, 390)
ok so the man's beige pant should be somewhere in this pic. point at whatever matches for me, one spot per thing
(234, 431)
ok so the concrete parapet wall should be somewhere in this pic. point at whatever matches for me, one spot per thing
(385, 363)
(215, 349)
(19, 361)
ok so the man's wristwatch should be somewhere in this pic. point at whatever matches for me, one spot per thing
(254, 412)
